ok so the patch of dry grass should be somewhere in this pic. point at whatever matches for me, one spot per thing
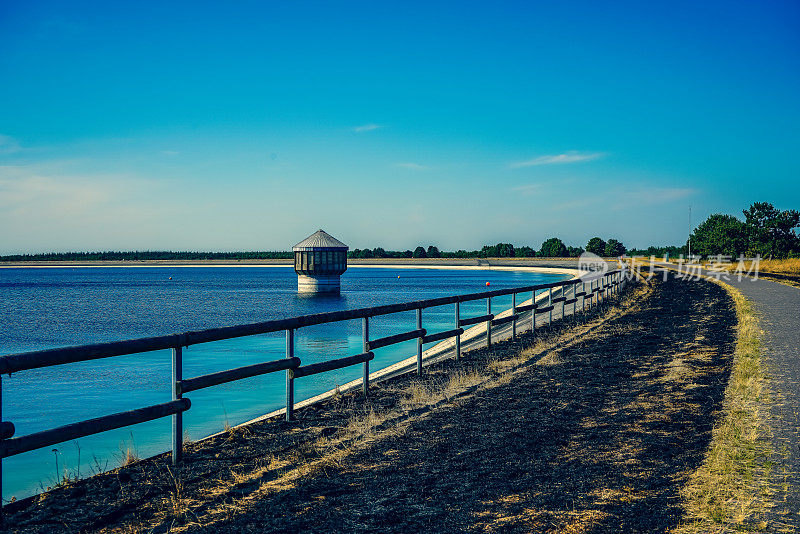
(788, 266)
(128, 457)
(731, 490)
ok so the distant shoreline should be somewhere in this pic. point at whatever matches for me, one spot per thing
(472, 263)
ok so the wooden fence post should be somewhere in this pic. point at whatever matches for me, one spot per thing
(458, 325)
(290, 376)
(365, 336)
(513, 312)
(533, 314)
(550, 303)
(177, 418)
(575, 302)
(489, 322)
(419, 342)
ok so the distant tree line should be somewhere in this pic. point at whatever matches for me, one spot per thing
(551, 248)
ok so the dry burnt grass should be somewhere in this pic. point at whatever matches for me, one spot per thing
(590, 429)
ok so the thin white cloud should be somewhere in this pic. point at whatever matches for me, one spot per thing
(554, 159)
(27, 192)
(44, 210)
(8, 145)
(528, 189)
(367, 127)
(413, 166)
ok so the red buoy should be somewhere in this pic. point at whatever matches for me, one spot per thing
(488, 284)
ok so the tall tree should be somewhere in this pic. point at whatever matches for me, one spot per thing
(505, 250)
(720, 234)
(614, 248)
(524, 252)
(553, 248)
(500, 250)
(574, 252)
(596, 246)
(419, 252)
(770, 231)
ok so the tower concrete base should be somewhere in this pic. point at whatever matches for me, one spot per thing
(318, 284)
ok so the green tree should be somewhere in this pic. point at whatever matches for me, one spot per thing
(505, 250)
(419, 252)
(433, 252)
(500, 250)
(614, 248)
(720, 234)
(553, 248)
(596, 246)
(770, 231)
(574, 252)
(525, 252)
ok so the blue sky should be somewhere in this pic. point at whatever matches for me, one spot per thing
(248, 125)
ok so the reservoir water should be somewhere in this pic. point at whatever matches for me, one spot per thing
(56, 307)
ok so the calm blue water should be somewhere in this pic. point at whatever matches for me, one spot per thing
(47, 308)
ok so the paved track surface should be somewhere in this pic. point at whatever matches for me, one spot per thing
(779, 308)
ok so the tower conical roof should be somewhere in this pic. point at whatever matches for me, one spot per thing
(319, 240)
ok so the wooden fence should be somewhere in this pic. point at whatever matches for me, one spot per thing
(595, 293)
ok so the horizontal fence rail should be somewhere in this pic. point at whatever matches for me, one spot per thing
(504, 320)
(330, 365)
(607, 283)
(476, 320)
(10, 447)
(215, 379)
(430, 338)
(396, 338)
